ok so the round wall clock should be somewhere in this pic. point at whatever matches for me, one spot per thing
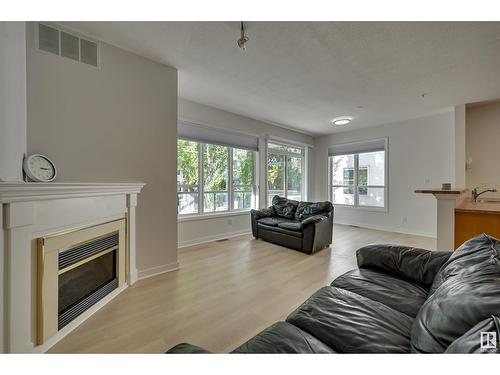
(39, 168)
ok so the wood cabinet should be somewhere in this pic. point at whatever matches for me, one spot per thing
(471, 223)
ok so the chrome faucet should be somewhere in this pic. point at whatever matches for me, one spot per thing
(475, 194)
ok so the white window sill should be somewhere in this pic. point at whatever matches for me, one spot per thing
(183, 218)
(362, 208)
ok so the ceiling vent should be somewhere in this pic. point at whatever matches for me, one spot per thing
(69, 45)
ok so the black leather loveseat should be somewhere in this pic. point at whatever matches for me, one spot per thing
(400, 300)
(303, 226)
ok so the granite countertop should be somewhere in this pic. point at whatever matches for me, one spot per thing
(467, 205)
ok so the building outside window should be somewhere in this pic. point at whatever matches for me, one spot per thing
(213, 178)
(357, 174)
(285, 171)
(349, 180)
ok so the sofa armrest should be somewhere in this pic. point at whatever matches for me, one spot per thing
(264, 212)
(411, 263)
(259, 214)
(313, 219)
(186, 348)
(317, 233)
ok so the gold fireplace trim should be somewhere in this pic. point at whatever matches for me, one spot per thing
(48, 249)
(86, 260)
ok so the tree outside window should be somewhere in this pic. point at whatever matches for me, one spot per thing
(217, 183)
(187, 176)
(285, 171)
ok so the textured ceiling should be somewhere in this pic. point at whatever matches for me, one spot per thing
(302, 74)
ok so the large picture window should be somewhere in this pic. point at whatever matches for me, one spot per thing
(285, 167)
(358, 179)
(213, 178)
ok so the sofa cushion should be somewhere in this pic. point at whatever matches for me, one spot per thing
(284, 207)
(351, 323)
(466, 293)
(472, 340)
(307, 209)
(293, 233)
(272, 221)
(291, 225)
(283, 337)
(402, 295)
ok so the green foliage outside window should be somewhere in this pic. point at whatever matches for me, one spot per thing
(242, 167)
(187, 165)
(215, 167)
(275, 171)
(294, 173)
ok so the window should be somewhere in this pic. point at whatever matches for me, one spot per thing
(349, 180)
(213, 178)
(285, 166)
(243, 171)
(188, 154)
(358, 179)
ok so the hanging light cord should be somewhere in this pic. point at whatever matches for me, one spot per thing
(243, 39)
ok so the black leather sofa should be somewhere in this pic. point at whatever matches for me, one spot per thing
(303, 226)
(399, 300)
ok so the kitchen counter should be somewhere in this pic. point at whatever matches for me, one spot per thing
(466, 205)
(474, 218)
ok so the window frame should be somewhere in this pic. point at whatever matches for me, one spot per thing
(356, 186)
(286, 154)
(230, 190)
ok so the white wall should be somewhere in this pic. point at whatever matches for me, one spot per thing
(421, 154)
(12, 100)
(116, 123)
(200, 230)
(482, 146)
(12, 122)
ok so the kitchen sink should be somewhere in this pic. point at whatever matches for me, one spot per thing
(489, 200)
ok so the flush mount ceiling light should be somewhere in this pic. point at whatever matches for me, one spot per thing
(242, 42)
(344, 120)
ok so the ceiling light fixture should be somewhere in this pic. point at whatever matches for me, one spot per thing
(242, 42)
(341, 120)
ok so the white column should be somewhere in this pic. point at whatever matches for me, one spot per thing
(19, 254)
(262, 172)
(460, 156)
(12, 99)
(131, 239)
(445, 221)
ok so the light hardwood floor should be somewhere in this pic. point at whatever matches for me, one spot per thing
(223, 294)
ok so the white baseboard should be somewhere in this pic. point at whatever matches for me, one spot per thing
(153, 271)
(200, 240)
(388, 229)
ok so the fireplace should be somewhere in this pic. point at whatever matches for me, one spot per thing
(87, 273)
(76, 270)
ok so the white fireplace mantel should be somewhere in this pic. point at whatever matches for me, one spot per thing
(31, 191)
(32, 210)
